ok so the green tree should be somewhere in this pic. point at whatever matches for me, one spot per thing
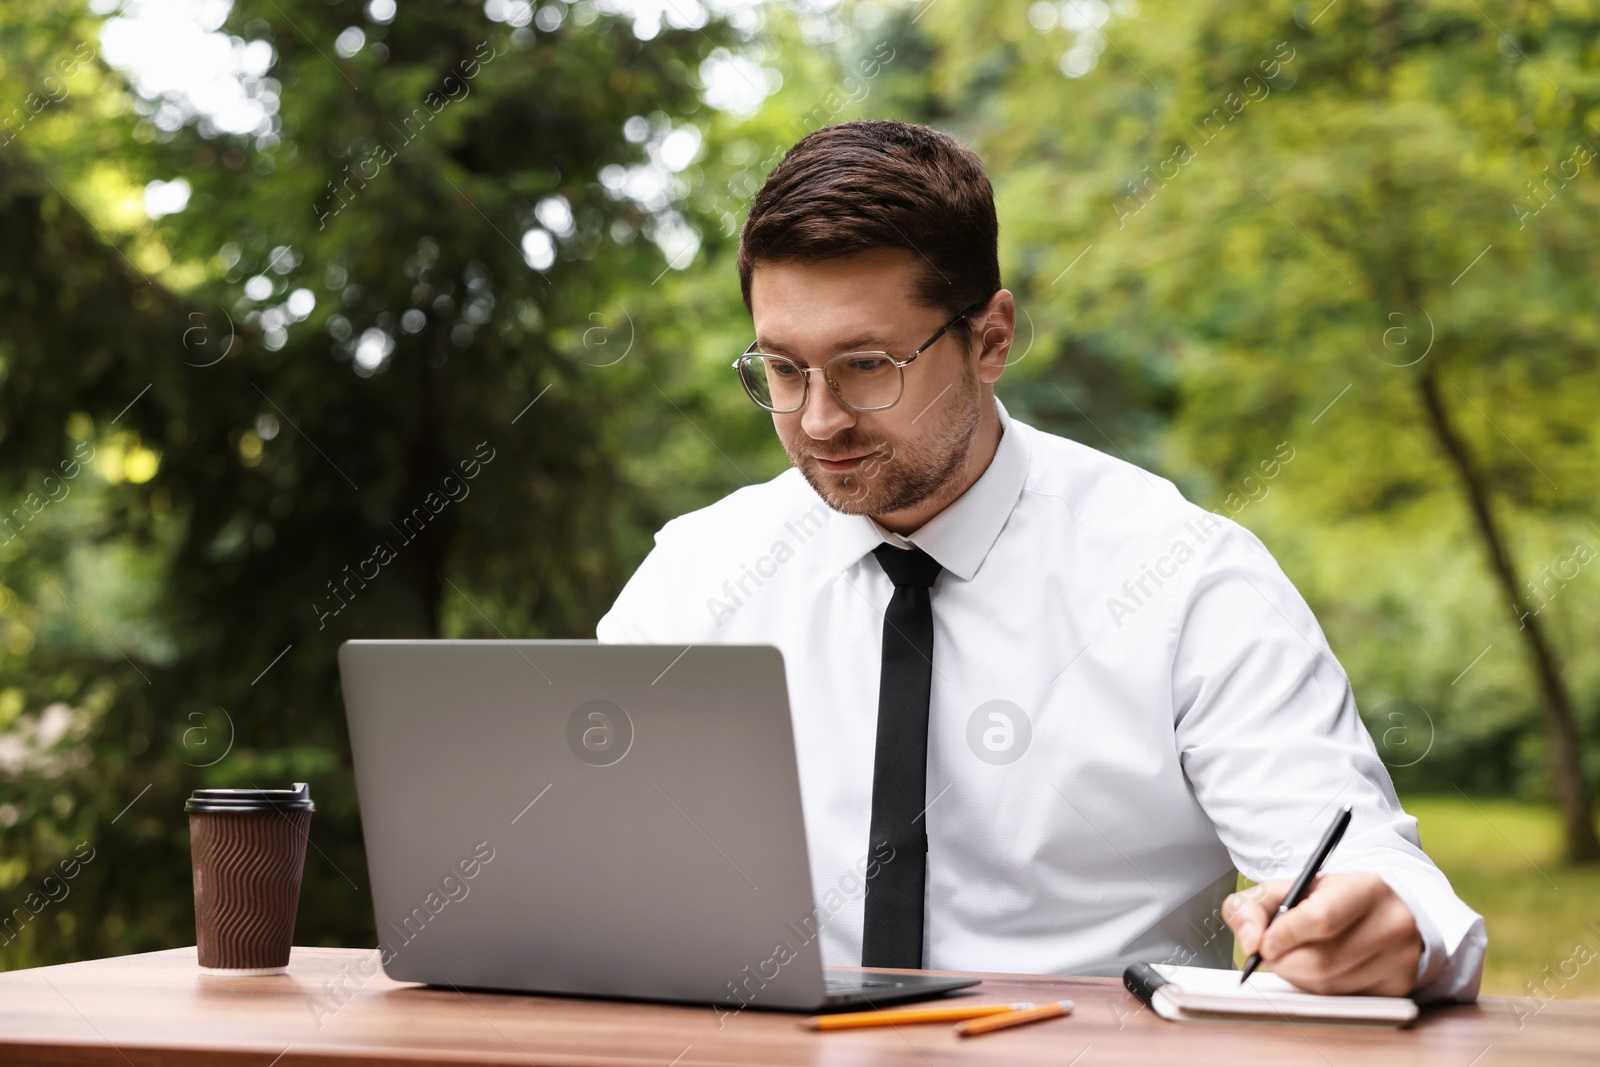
(1367, 229)
(358, 386)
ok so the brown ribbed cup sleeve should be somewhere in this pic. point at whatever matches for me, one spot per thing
(247, 868)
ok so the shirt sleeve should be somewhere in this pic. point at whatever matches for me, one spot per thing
(1272, 745)
(644, 611)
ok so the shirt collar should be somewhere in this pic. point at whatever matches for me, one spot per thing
(960, 536)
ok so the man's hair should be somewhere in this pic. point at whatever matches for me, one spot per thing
(859, 186)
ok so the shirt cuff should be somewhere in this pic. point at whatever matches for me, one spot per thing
(1454, 939)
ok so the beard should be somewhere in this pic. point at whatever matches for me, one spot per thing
(895, 476)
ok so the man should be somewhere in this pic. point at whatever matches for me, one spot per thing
(1047, 703)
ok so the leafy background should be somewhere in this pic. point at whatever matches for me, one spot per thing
(1359, 234)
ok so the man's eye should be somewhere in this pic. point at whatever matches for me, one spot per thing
(782, 370)
(869, 365)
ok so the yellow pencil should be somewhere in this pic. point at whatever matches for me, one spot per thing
(895, 1016)
(1015, 1018)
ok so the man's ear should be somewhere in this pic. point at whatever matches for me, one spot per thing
(995, 331)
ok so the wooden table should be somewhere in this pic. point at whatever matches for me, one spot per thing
(156, 1010)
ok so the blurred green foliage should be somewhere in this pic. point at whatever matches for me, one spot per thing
(1307, 222)
(1505, 857)
(1232, 231)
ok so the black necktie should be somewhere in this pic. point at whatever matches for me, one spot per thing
(892, 933)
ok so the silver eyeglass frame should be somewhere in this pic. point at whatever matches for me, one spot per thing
(805, 381)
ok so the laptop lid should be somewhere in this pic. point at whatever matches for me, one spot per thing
(575, 817)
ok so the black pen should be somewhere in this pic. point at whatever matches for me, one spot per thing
(1302, 885)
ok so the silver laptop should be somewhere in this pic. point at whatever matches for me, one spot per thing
(601, 820)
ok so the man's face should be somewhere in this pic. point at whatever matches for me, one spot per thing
(877, 462)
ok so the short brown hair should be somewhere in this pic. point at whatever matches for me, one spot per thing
(858, 186)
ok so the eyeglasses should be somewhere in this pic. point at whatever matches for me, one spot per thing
(861, 381)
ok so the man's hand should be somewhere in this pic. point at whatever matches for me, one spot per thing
(1351, 934)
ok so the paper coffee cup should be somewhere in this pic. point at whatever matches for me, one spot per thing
(249, 849)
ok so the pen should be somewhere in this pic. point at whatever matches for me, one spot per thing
(1302, 885)
(944, 1013)
(1014, 1018)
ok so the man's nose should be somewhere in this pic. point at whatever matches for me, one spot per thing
(823, 415)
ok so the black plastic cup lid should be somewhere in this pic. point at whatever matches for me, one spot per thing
(296, 799)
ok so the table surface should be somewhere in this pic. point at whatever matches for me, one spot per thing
(157, 1010)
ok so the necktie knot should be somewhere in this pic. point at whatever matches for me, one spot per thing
(907, 566)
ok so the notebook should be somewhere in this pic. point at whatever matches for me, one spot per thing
(1205, 994)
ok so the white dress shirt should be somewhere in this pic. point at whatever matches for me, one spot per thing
(1130, 700)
